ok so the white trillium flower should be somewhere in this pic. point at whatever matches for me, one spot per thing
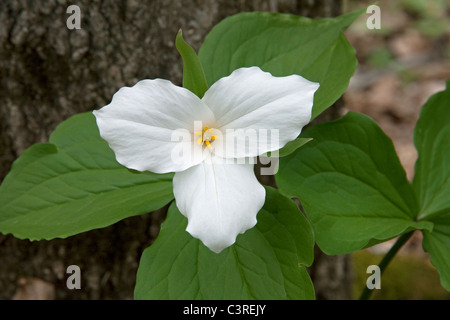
(220, 199)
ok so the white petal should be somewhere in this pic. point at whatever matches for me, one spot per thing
(257, 102)
(140, 122)
(219, 200)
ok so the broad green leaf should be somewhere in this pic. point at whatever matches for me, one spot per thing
(293, 145)
(432, 179)
(264, 263)
(193, 75)
(437, 244)
(289, 148)
(432, 140)
(351, 185)
(74, 184)
(284, 44)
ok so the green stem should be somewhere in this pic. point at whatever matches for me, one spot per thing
(386, 259)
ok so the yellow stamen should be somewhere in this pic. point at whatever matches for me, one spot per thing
(198, 133)
(208, 144)
(199, 141)
(213, 138)
(206, 128)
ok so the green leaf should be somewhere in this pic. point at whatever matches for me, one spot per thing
(264, 263)
(432, 179)
(74, 184)
(193, 75)
(284, 44)
(437, 244)
(293, 145)
(431, 137)
(351, 185)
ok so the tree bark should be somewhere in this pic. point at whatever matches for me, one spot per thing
(49, 73)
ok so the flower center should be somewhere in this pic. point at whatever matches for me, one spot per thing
(207, 136)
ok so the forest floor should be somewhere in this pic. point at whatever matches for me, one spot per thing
(401, 65)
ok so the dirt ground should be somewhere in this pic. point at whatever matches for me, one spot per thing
(400, 67)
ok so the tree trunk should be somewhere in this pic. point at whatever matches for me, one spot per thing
(49, 73)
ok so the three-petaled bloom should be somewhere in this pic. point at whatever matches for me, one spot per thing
(221, 199)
